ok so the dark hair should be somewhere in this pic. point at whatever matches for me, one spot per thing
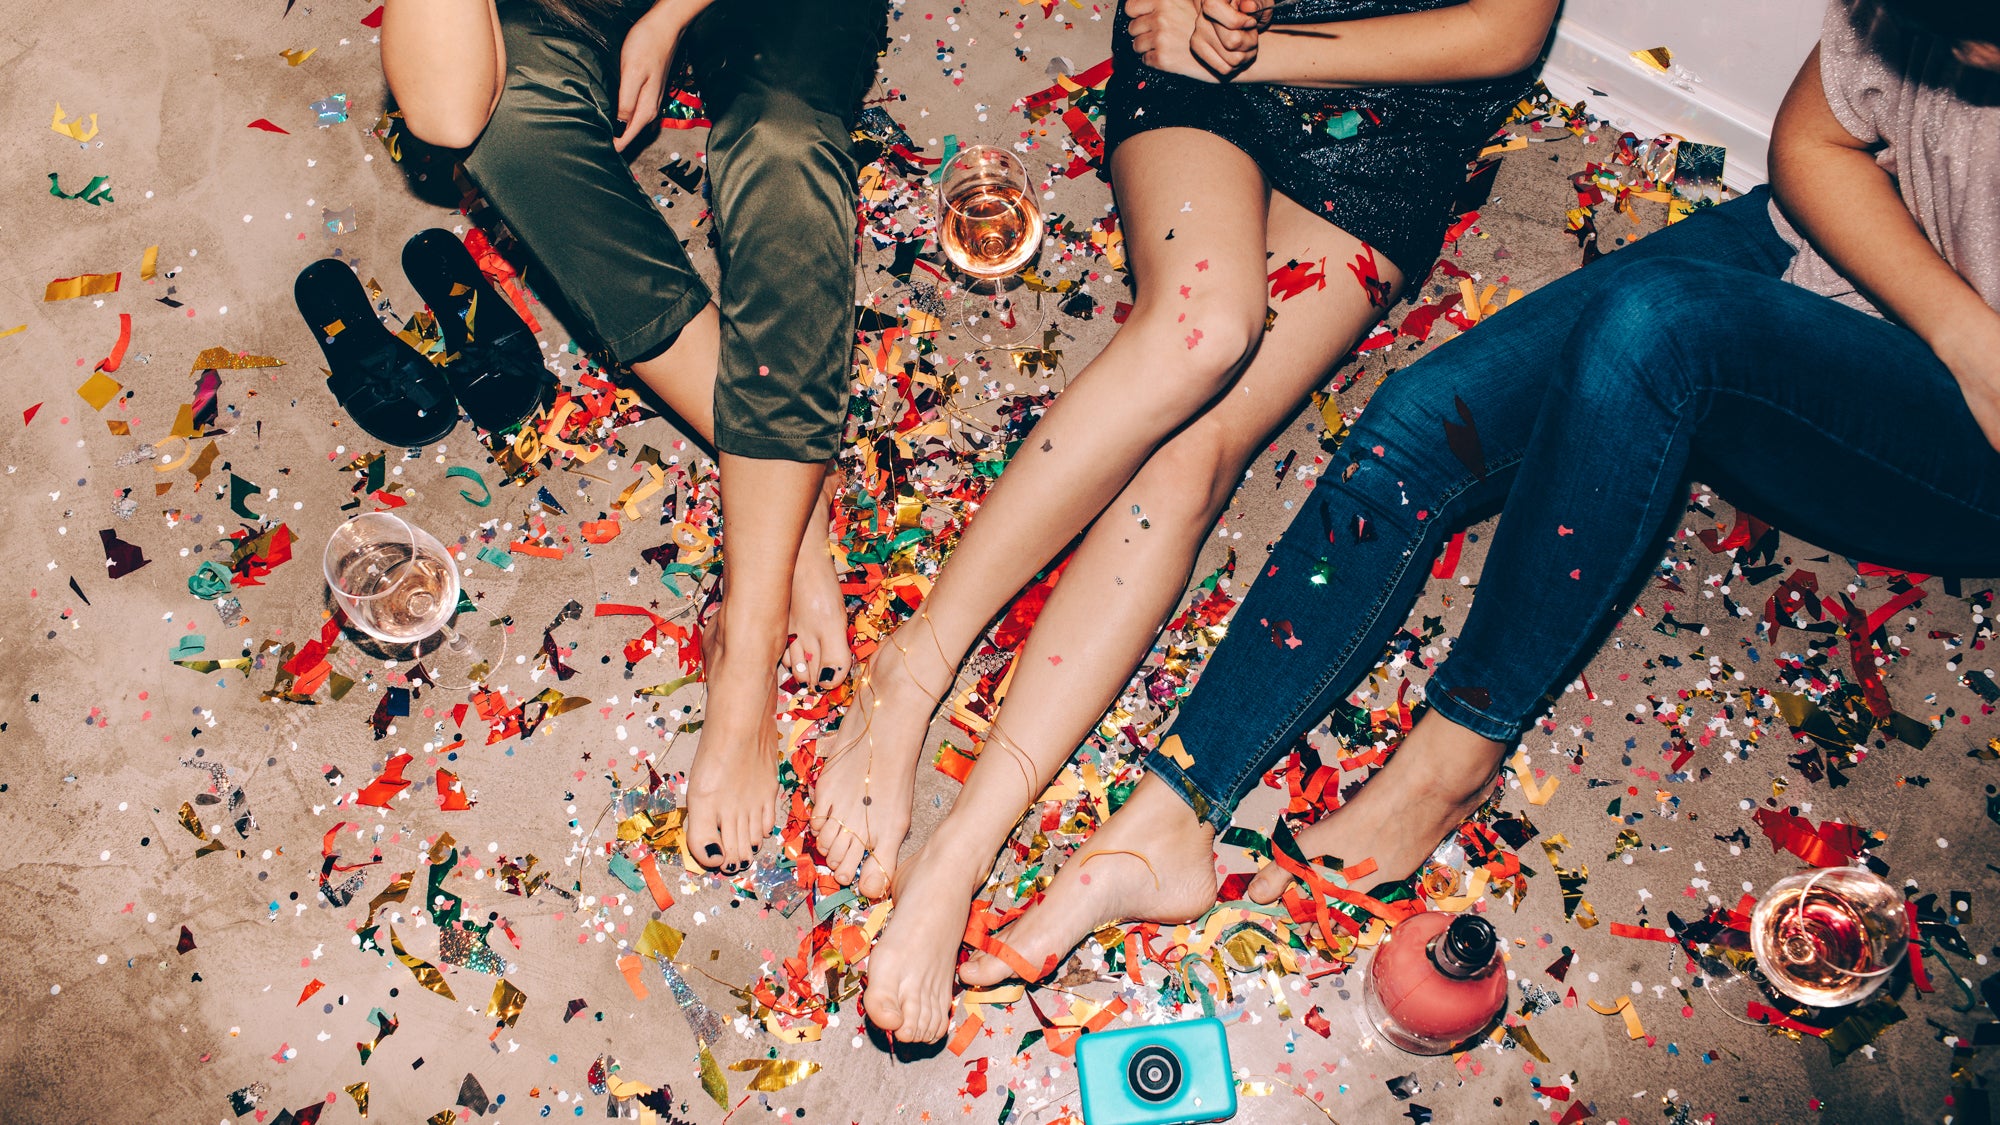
(601, 21)
(1952, 20)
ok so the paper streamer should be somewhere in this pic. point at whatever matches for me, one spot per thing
(1633, 1028)
(82, 285)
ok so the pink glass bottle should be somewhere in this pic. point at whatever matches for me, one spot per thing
(1436, 981)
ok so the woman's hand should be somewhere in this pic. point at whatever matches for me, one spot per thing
(1225, 40)
(1973, 356)
(1173, 36)
(642, 68)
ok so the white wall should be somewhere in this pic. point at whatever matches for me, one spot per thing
(1742, 52)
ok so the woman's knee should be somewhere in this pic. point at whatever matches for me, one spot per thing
(1205, 341)
(1646, 333)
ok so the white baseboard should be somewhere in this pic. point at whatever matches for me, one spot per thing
(1583, 65)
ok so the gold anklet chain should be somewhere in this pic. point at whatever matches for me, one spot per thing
(868, 724)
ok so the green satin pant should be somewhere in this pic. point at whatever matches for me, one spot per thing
(782, 81)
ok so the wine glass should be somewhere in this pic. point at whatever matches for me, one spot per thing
(396, 582)
(1829, 937)
(989, 224)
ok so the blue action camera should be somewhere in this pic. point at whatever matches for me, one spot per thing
(1168, 1074)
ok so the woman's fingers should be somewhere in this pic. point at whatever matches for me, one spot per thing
(1241, 43)
(1226, 13)
(1212, 54)
(639, 111)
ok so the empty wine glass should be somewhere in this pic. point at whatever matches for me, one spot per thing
(989, 224)
(1829, 937)
(396, 582)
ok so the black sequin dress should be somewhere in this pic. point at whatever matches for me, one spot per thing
(1381, 163)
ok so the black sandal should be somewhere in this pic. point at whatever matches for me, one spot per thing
(495, 366)
(387, 387)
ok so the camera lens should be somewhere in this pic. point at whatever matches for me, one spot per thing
(1155, 1073)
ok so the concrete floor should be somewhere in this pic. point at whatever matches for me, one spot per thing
(103, 739)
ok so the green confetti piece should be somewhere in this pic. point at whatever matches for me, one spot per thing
(502, 559)
(210, 580)
(824, 909)
(464, 473)
(96, 193)
(239, 491)
(950, 150)
(193, 644)
(626, 872)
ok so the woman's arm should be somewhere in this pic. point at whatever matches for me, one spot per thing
(1463, 43)
(444, 61)
(1829, 186)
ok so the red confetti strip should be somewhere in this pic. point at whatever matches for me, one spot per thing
(110, 363)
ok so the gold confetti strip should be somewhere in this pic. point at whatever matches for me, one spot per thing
(776, 1074)
(149, 267)
(359, 1092)
(82, 285)
(1633, 1028)
(1524, 772)
(222, 359)
(295, 56)
(426, 973)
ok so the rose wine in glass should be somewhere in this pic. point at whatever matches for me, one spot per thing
(396, 582)
(990, 226)
(1830, 937)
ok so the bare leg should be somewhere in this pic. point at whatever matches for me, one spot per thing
(1124, 581)
(1121, 584)
(684, 378)
(733, 797)
(1199, 314)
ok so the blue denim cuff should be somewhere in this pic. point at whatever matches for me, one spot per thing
(1451, 702)
(1207, 808)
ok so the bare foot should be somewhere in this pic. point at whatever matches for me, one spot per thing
(910, 969)
(818, 655)
(1153, 861)
(1439, 776)
(733, 799)
(867, 777)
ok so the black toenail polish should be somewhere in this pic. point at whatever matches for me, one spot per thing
(753, 849)
(825, 676)
(712, 850)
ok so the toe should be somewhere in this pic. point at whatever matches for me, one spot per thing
(983, 970)
(940, 1022)
(844, 856)
(883, 1009)
(833, 671)
(873, 879)
(1270, 884)
(705, 841)
(735, 842)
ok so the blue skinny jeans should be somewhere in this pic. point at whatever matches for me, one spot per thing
(1580, 412)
